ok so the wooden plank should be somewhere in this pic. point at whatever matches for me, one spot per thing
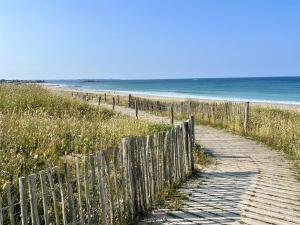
(86, 189)
(101, 187)
(129, 100)
(33, 200)
(145, 149)
(167, 159)
(115, 162)
(136, 109)
(143, 172)
(172, 115)
(44, 196)
(192, 141)
(108, 187)
(93, 180)
(148, 167)
(113, 103)
(180, 152)
(23, 200)
(162, 157)
(129, 176)
(63, 204)
(172, 161)
(190, 109)
(186, 147)
(138, 175)
(70, 193)
(123, 179)
(78, 182)
(132, 180)
(54, 199)
(10, 203)
(246, 115)
(151, 148)
(158, 172)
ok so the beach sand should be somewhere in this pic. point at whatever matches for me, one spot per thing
(290, 107)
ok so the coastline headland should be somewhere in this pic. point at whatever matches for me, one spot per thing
(21, 81)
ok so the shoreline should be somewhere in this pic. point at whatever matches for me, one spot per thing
(277, 105)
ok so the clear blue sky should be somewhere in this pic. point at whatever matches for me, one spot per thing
(53, 39)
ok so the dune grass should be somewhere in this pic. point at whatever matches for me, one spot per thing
(277, 127)
(38, 129)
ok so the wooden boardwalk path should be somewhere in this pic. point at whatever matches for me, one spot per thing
(248, 183)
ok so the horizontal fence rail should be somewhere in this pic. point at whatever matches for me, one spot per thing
(112, 186)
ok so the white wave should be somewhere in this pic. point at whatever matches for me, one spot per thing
(181, 95)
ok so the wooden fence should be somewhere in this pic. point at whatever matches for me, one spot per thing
(112, 186)
(216, 113)
(233, 115)
(276, 127)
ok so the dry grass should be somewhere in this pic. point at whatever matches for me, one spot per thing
(38, 128)
(277, 127)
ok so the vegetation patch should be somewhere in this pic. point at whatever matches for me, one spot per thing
(39, 128)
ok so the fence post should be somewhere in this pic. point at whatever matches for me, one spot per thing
(10, 204)
(44, 196)
(192, 119)
(104, 97)
(23, 200)
(186, 152)
(118, 99)
(172, 115)
(99, 101)
(129, 100)
(190, 108)
(113, 102)
(136, 109)
(192, 140)
(33, 200)
(246, 116)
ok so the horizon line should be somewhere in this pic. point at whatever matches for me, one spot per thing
(189, 78)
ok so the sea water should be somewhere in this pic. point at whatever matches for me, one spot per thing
(284, 90)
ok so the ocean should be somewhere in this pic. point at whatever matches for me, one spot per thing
(283, 90)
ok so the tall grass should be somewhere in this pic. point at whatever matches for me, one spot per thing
(278, 128)
(38, 129)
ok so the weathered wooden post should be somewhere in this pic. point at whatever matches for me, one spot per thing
(99, 101)
(190, 109)
(181, 108)
(186, 148)
(113, 102)
(136, 109)
(104, 97)
(246, 115)
(129, 100)
(172, 115)
(192, 140)
(118, 99)
(23, 201)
